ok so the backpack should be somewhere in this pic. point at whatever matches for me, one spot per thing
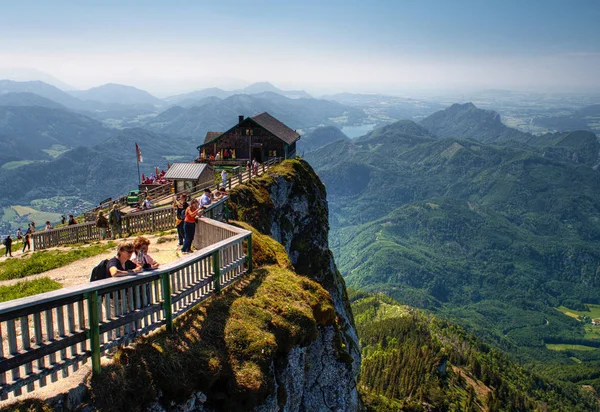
(113, 217)
(100, 271)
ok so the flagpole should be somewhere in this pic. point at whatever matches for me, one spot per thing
(137, 157)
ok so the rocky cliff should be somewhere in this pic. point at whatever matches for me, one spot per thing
(289, 204)
(280, 339)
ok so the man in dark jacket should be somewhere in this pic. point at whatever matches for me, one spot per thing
(8, 246)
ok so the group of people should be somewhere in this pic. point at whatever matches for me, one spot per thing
(23, 237)
(156, 179)
(225, 154)
(71, 221)
(145, 204)
(112, 221)
(131, 258)
(188, 213)
(252, 167)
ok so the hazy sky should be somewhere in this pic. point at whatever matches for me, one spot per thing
(322, 45)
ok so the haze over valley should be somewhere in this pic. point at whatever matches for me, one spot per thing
(458, 147)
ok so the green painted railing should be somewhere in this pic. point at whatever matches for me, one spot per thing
(53, 334)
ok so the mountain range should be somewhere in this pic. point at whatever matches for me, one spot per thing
(91, 173)
(118, 93)
(469, 122)
(489, 230)
(214, 114)
(192, 98)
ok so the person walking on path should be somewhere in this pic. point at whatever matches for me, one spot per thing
(114, 220)
(224, 178)
(189, 225)
(19, 234)
(180, 206)
(102, 224)
(27, 242)
(8, 246)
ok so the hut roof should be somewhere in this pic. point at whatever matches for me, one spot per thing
(185, 171)
(266, 121)
(210, 136)
(276, 127)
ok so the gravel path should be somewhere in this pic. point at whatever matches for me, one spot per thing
(78, 272)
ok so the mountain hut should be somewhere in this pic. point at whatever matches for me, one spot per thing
(260, 137)
(187, 176)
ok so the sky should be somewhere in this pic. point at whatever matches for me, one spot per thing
(322, 46)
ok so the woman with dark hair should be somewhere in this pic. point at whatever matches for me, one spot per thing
(180, 206)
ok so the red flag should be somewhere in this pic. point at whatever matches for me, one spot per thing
(138, 151)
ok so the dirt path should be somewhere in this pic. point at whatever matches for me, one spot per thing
(78, 272)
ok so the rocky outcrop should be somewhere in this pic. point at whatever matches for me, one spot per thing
(289, 204)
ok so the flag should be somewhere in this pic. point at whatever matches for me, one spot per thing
(138, 151)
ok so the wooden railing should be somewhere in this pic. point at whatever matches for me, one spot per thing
(159, 194)
(152, 220)
(160, 190)
(243, 176)
(46, 337)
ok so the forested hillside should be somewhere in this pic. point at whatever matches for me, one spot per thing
(91, 173)
(496, 237)
(469, 122)
(413, 361)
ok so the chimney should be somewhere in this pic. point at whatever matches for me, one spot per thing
(240, 119)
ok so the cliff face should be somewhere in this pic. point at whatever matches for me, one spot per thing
(289, 204)
(281, 338)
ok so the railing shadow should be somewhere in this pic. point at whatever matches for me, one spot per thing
(195, 357)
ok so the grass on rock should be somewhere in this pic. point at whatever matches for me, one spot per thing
(225, 346)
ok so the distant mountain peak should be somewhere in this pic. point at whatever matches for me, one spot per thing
(463, 106)
(468, 121)
(118, 93)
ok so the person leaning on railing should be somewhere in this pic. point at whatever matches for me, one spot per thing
(180, 206)
(141, 257)
(192, 213)
(121, 265)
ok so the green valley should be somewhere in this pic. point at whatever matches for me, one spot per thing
(415, 361)
(493, 236)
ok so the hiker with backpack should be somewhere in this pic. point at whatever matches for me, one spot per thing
(8, 246)
(102, 224)
(121, 264)
(114, 220)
